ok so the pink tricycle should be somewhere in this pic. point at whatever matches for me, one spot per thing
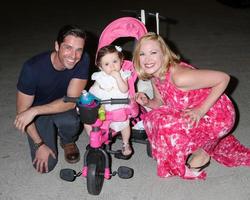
(96, 161)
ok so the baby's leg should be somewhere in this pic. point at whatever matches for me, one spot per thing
(125, 134)
(87, 128)
(126, 149)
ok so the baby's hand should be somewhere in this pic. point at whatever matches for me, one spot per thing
(141, 98)
(115, 74)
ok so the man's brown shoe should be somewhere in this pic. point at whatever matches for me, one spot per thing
(71, 153)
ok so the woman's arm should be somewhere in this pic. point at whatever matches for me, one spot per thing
(193, 79)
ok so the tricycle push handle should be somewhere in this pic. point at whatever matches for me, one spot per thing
(115, 101)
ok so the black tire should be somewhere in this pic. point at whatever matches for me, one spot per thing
(149, 149)
(95, 175)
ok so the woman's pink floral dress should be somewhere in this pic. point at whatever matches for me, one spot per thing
(172, 139)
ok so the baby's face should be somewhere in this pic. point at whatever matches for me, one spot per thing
(111, 62)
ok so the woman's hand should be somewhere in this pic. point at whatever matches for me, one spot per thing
(193, 115)
(141, 98)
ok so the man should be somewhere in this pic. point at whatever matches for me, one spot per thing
(43, 82)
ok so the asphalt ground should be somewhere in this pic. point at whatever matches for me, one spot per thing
(207, 34)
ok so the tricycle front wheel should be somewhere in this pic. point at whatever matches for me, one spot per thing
(95, 179)
(96, 168)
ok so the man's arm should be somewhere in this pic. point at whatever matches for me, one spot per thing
(23, 103)
(26, 113)
(74, 90)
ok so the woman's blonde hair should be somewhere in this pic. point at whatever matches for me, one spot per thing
(170, 58)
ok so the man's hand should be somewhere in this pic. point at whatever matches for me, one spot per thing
(24, 118)
(42, 157)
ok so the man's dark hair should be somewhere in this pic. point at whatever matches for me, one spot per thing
(70, 30)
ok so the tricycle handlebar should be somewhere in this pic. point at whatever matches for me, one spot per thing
(106, 101)
(70, 99)
(115, 101)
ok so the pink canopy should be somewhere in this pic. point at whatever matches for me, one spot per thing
(122, 27)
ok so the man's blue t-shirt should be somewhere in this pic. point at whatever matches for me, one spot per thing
(39, 78)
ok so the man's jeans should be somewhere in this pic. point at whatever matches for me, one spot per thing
(66, 125)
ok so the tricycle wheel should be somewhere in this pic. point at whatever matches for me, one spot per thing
(96, 166)
(95, 179)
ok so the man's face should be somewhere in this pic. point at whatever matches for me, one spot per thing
(70, 51)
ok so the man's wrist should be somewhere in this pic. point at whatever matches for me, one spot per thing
(34, 110)
(38, 145)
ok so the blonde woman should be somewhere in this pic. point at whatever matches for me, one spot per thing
(190, 117)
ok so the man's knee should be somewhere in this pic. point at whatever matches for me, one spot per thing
(68, 123)
(52, 163)
(68, 119)
(71, 123)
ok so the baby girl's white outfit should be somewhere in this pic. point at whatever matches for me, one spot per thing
(105, 87)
